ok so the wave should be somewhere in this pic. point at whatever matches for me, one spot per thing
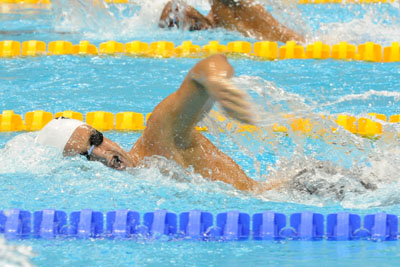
(319, 169)
(395, 96)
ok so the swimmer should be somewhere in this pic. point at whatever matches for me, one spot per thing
(244, 16)
(170, 130)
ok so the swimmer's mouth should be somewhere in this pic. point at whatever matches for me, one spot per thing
(116, 163)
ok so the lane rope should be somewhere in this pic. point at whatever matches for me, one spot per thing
(45, 2)
(197, 225)
(265, 50)
(370, 125)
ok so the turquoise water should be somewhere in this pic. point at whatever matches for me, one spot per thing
(32, 178)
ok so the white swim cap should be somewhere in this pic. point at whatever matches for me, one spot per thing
(57, 133)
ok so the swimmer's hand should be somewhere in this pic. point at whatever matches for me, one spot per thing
(274, 184)
(233, 101)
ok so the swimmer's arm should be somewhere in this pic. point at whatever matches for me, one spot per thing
(192, 13)
(213, 76)
(211, 19)
(206, 83)
(163, 22)
(173, 120)
(258, 16)
(274, 30)
(209, 82)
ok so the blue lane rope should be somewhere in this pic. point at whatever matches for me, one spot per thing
(197, 225)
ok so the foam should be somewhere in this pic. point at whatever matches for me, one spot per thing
(14, 255)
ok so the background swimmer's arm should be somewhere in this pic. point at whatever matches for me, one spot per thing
(163, 22)
(192, 14)
(275, 31)
(252, 19)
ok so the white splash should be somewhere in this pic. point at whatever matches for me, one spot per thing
(370, 27)
(147, 18)
(84, 16)
(15, 255)
(21, 154)
(97, 20)
(288, 13)
(354, 168)
(365, 96)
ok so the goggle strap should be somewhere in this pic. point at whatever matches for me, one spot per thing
(91, 150)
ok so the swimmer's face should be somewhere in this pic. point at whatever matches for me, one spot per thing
(105, 151)
(188, 22)
(173, 19)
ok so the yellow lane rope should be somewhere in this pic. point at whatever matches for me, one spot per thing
(134, 2)
(264, 50)
(370, 125)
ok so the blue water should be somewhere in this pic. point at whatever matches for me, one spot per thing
(33, 179)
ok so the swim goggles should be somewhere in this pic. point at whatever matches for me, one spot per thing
(96, 138)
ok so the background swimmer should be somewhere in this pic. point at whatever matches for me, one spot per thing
(244, 16)
(170, 130)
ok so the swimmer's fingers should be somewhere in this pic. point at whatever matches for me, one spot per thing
(227, 88)
(233, 101)
(236, 105)
(236, 97)
(237, 112)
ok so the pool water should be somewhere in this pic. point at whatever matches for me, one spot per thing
(32, 178)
